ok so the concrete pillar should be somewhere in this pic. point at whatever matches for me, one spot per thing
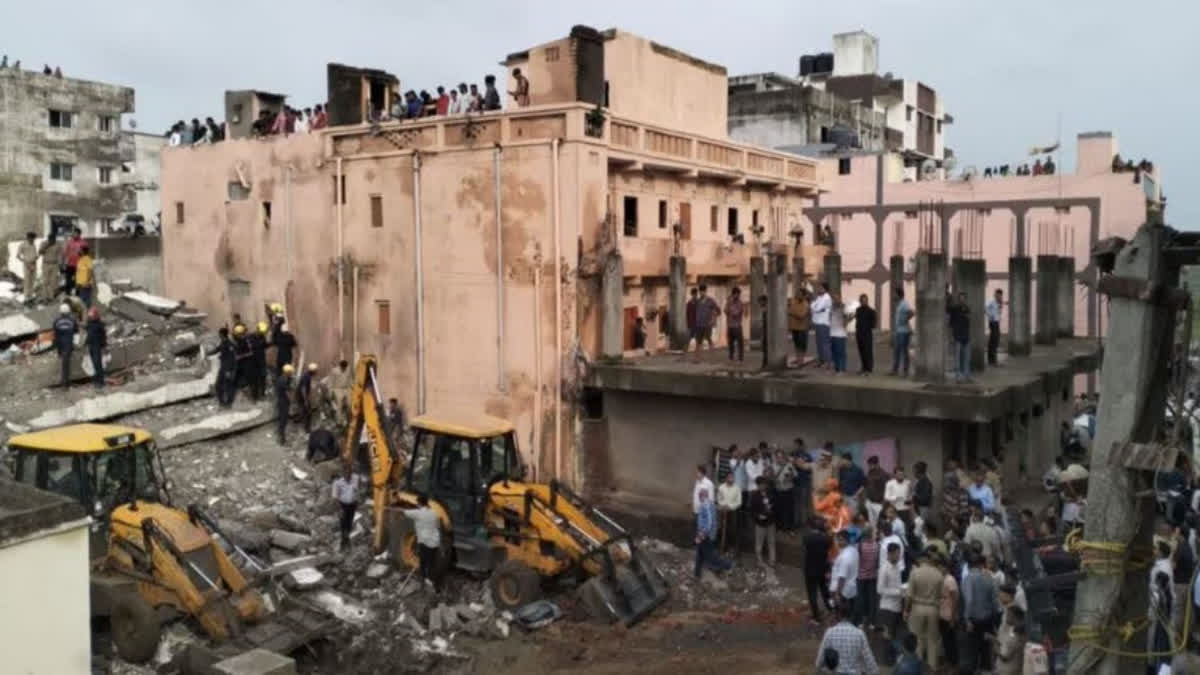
(677, 304)
(612, 314)
(833, 273)
(1020, 279)
(970, 277)
(1066, 296)
(758, 288)
(931, 316)
(797, 274)
(896, 267)
(776, 331)
(1019, 456)
(1046, 329)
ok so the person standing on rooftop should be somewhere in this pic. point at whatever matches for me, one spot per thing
(521, 93)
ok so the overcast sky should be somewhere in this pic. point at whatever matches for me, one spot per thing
(1006, 70)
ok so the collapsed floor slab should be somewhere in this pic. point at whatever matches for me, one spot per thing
(213, 426)
(135, 398)
(45, 370)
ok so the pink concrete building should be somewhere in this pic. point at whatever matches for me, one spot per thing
(876, 214)
(468, 252)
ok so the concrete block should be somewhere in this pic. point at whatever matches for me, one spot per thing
(214, 426)
(246, 537)
(44, 371)
(256, 662)
(154, 303)
(289, 541)
(435, 619)
(137, 313)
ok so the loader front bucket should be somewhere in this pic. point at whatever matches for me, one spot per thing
(628, 589)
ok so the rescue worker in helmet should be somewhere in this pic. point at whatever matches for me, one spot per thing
(258, 362)
(283, 390)
(242, 355)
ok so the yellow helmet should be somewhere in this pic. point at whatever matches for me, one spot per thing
(239, 329)
(312, 367)
(288, 369)
(262, 327)
(276, 308)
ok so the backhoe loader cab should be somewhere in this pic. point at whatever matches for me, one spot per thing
(521, 534)
(151, 562)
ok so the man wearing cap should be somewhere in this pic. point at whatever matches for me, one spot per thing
(304, 396)
(226, 386)
(922, 604)
(65, 327)
(258, 361)
(96, 339)
(283, 389)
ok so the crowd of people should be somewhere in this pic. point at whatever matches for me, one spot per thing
(46, 69)
(938, 587)
(461, 100)
(1039, 168)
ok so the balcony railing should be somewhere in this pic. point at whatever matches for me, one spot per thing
(627, 140)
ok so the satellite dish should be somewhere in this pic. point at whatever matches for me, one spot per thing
(928, 168)
(949, 163)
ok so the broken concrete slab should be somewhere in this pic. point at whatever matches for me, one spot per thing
(154, 303)
(27, 322)
(289, 541)
(256, 662)
(137, 313)
(293, 523)
(184, 344)
(221, 424)
(299, 562)
(342, 607)
(244, 536)
(377, 570)
(26, 375)
(435, 619)
(104, 406)
(304, 578)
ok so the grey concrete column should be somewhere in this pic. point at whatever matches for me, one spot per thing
(931, 316)
(833, 273)
(777, 301)
(612, 315)
(1020, 297)
(1066, 296)
(797, 274)
(1019, 456)
(1045, 330)
(758, 288)
(970, 277)
(897, 281)
(677, 304)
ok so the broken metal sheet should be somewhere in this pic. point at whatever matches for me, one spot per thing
(1143, 456)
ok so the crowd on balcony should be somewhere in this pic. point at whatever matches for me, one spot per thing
(1127, 166)
(1039, 168)
(461, 100)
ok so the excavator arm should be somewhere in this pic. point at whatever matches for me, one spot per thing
(366, 412)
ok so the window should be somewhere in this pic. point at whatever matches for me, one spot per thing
(844, 166)
(237, 191)
(908, 111)
(662, 214)
(60, 171)
(825, 134)
(335, 189)
(106, 123)
(733, 224)
(714, 215)
(178, 213)
(630, 215)
(105, 175)
(60, 119)
(383, 309)
(106, 225)
(376, 210)
(1062, 209)
(754, 220)
(551, 54)
(910, 214)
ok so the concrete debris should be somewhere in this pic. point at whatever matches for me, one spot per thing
(294, 524)
(130, 310)
(305, 561)
(298, 474)
(220, 424)
(246, 537)
(184, 344)
(289, 541)
(256, 662)
(438, 646)
(304, 578)
(342, 607)
(712, 581)
(154, 303)
(175, 638)
(377, 570)
(410, 622)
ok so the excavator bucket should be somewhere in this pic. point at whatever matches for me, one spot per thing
(629, 587)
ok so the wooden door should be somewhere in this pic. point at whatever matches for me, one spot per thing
(685, 220)
(631, 315)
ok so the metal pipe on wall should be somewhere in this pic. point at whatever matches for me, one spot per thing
(354, 314)
(288, 170)
(338, 197)
(499, 273)
(418, 253)
(557, 315)
(537, 359)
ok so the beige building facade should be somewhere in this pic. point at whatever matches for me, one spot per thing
(467, 252)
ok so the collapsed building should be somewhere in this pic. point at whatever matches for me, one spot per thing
(469, 252)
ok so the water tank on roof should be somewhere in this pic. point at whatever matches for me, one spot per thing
(808, 64)
(824, 63)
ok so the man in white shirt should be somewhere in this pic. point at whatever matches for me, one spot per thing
(345, 492)
(979, 531)
(429, 540)
(843, 579)
(729, 501)
(993, 309)
(890, 537)
(702, 483)
(891, 593)
(755, 465)
(821, 308)
(898, 489)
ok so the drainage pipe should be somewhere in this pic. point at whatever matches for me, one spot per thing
(499, 274)
(536, 454)
(338, 197)
(557, 314)
(418, 253)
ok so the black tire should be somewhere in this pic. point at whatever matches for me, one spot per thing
(135, 628)
(515, 584)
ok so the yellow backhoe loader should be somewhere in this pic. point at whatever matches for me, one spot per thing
(152, 563)
(495, 523)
